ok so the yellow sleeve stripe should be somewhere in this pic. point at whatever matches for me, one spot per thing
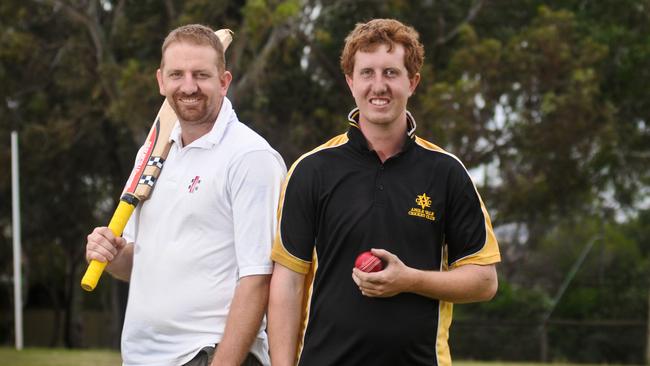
(306, 303)
(489, 253)
(279, 252)
(280, 255)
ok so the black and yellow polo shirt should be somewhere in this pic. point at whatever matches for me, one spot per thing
(339, 200)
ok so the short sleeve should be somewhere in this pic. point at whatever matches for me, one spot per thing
(294, 242)
(468, 229)
(255, 180)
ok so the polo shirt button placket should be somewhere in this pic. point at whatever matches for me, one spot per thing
(380, 198)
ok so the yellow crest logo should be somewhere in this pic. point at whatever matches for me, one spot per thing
(424, 202)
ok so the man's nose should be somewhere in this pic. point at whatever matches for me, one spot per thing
(379, 85)
(189, 86)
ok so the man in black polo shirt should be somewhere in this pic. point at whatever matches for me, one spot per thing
(377, 187)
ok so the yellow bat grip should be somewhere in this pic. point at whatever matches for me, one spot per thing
(118, 222)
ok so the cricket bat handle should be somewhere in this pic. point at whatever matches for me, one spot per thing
(118, 222)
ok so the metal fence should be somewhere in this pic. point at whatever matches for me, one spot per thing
(561, 340)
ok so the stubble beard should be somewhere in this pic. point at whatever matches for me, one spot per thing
(196, 114)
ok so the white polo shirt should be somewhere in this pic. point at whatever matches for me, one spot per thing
(209, 221)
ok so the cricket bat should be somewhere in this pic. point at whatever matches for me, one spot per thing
(143, 177)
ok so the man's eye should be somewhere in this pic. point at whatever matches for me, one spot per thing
(391, 73)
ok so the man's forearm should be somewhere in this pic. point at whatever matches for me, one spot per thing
(244, 319)
(468, 283)
(285, 309)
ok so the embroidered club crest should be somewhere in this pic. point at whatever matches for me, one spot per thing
(424, 202)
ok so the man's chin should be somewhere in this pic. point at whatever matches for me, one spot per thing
(191, 116)
(379, 118)
(194, 121)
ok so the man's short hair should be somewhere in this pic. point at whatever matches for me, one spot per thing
(199, 35)
(366, 37)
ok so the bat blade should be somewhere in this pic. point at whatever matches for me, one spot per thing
(154, 152)
(145, 173)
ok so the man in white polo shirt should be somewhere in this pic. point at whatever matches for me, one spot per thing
(197, 252)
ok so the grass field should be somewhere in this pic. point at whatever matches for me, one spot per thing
(58, 357)
(63, 357)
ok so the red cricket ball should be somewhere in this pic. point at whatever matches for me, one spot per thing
(367, 262)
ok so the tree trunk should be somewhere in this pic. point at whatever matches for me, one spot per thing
(73, 325)
(543, 343)
(56, 321)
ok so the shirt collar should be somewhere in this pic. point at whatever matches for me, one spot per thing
(353, 118)
(226, 115)
(355, 134)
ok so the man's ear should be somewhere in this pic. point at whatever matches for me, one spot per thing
(350, 81)
(159, 77)
(413, 83)
(225, 79)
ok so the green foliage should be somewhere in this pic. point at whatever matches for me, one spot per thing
(505, 328)
(511, 302)
(261, 15)
(203, 11)
(532, 105)
(285, 10)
